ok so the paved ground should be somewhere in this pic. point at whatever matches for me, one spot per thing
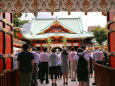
(70, 83)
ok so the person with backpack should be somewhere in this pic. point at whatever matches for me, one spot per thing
(82, 62)
(106, 59)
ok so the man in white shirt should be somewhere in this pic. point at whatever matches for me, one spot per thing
(71, 59)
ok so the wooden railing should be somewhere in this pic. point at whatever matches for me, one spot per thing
(104, 76)
(9, 78)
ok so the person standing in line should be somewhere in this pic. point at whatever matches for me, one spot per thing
(106, 59)
(87, 53)
(44, 65)
(59, 66)
(91, 65)
(82, 62)
(36, 60)
(15, 65)
(64, 66)
(25, 66)
(71, 59)
(98, 56)
(53, 59)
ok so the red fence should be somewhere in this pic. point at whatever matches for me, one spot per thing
(9, 78)
(104, 76)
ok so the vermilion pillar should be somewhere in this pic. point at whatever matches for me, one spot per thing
(34, 44)
(71, 44)
(111, 38)
(79, 44)
(41, 47)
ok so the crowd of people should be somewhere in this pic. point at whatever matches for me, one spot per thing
(42, 66)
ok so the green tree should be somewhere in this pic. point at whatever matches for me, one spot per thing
(17, 22)
(100, 34)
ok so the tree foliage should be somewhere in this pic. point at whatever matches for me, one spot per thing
(18, 22)
(100, 34)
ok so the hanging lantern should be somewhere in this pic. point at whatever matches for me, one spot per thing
(52, 4)
(35, 7)
(85, 3)
(18, 7)
(49, 42)
(64, 41)
(69, 6)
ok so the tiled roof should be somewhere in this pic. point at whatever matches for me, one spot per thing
(72, 24)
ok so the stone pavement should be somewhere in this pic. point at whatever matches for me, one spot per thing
(70, 83)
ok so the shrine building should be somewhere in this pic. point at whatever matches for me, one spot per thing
(56, 29)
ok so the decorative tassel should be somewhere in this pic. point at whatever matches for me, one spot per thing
(85, 10)
(35, 7)
(85, 3)
(103, 7)
(69, 6)
(52, 7)
(18, 7)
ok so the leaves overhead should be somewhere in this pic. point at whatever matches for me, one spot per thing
(100, 34)
(18, 22)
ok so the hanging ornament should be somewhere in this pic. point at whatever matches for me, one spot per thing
(103, 3)
(64, 41)
(18, 7)
(52, 4)
(35, 7)
(69, 6)
(49, 42)
(85, 3)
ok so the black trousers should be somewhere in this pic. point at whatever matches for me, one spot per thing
(53, 71)
(59, 74)
(44, 72)
(35, 75)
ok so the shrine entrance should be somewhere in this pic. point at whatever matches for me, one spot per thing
(58, 49)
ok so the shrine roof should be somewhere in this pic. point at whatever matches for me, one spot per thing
(73, 25)
(67, 35)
